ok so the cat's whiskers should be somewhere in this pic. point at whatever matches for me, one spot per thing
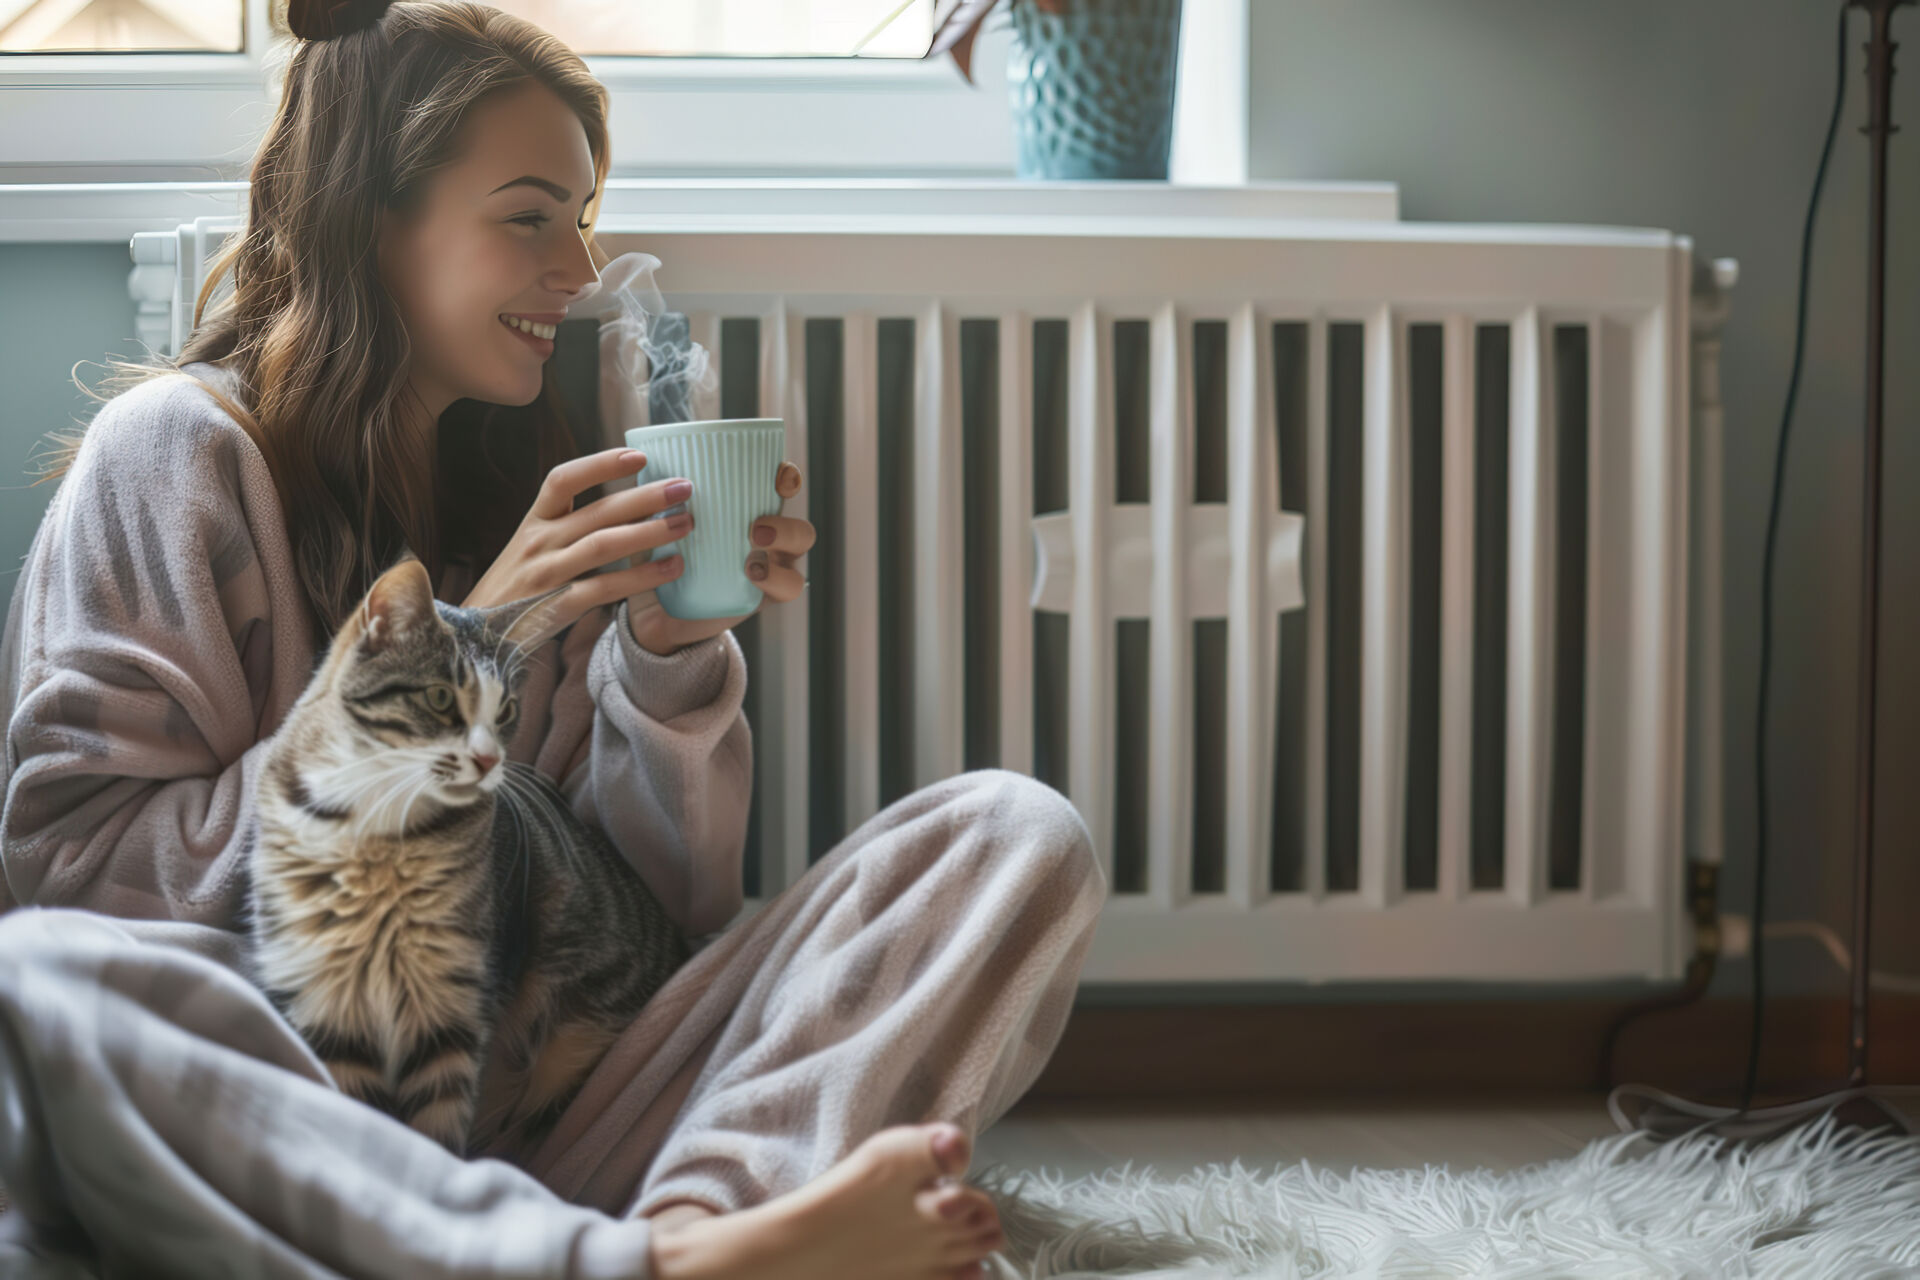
(499, 639)
(355, 774)
(522, 842)
(517, 657)
(385, 790)
(542, 805)
(407, 808)
(377, 795)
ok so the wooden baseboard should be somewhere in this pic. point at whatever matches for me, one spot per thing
(1505, 1045)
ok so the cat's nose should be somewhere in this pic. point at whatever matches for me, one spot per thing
(483, 762)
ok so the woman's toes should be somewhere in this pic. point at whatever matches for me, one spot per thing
(980, 1227)
(904, 1152)
(958, 1205)
(942, 1203)
(982, 1221)
(981, 1217)
(952, 1148)
(976, 1263)
(973, 1244)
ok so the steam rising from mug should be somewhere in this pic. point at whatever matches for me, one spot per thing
(647, 358)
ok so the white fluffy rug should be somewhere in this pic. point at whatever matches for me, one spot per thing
(1821, 1202)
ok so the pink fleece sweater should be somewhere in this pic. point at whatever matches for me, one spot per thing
(158, 636)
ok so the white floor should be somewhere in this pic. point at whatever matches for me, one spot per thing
(1077, 1138)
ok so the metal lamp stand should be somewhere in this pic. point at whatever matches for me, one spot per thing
(1854, 1103)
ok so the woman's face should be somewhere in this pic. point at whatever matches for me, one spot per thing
(495, 233)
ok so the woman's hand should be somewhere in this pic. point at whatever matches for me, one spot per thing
(557, 545)
(771, 565)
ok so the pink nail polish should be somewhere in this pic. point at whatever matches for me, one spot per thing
(679, 490)
(763, 536)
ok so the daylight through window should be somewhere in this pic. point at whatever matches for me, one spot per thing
(646, 28)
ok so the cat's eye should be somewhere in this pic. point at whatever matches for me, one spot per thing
(439, 696)
(508, 709)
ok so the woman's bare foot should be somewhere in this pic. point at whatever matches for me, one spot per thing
(882, 1213)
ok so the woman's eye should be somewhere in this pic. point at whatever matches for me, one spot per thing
(538, 220)
(439, 697)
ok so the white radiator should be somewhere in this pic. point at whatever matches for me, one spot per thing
(1354, 613)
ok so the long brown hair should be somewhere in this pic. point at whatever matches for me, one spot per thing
(317, 342)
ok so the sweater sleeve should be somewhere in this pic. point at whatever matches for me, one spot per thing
(145, 645)
(662, 761)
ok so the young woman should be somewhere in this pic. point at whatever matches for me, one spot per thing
(799, 1099)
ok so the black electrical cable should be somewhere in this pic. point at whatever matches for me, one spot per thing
(1756, 946)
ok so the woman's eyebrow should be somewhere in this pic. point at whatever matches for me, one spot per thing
(553, 189)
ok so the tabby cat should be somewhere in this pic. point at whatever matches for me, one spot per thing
(414, 894)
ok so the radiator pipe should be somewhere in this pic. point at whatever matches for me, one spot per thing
(1703, 904)
(1712, 282)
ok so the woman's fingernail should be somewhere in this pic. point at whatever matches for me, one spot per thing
(678, 490)
(633, 458)
(758, 572)
(763, 535)
(953, 1208)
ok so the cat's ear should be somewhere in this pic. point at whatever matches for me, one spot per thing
(529, 622)
(400, 602)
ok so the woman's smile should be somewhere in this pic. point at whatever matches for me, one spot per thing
(535, 334)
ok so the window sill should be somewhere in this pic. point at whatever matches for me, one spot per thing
(115, 211)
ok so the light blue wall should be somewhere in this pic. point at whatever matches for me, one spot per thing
(1706, 118)
(59, 304)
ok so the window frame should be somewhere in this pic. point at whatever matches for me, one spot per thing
(196, 117)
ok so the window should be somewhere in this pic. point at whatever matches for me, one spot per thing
(658, 28)
(94, 26)
(110, 91)
(125, 91)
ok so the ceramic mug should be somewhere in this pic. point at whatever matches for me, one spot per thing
(733, 463)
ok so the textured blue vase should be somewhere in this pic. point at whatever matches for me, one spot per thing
(1092, 88)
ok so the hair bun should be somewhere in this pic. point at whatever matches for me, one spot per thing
(325, 19)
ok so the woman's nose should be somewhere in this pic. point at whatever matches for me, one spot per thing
(576, 270)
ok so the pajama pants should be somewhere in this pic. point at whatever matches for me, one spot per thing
(157, 1117)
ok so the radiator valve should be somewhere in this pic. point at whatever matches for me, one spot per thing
(1703, 896)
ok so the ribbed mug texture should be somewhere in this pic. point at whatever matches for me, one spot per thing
(733, 464)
